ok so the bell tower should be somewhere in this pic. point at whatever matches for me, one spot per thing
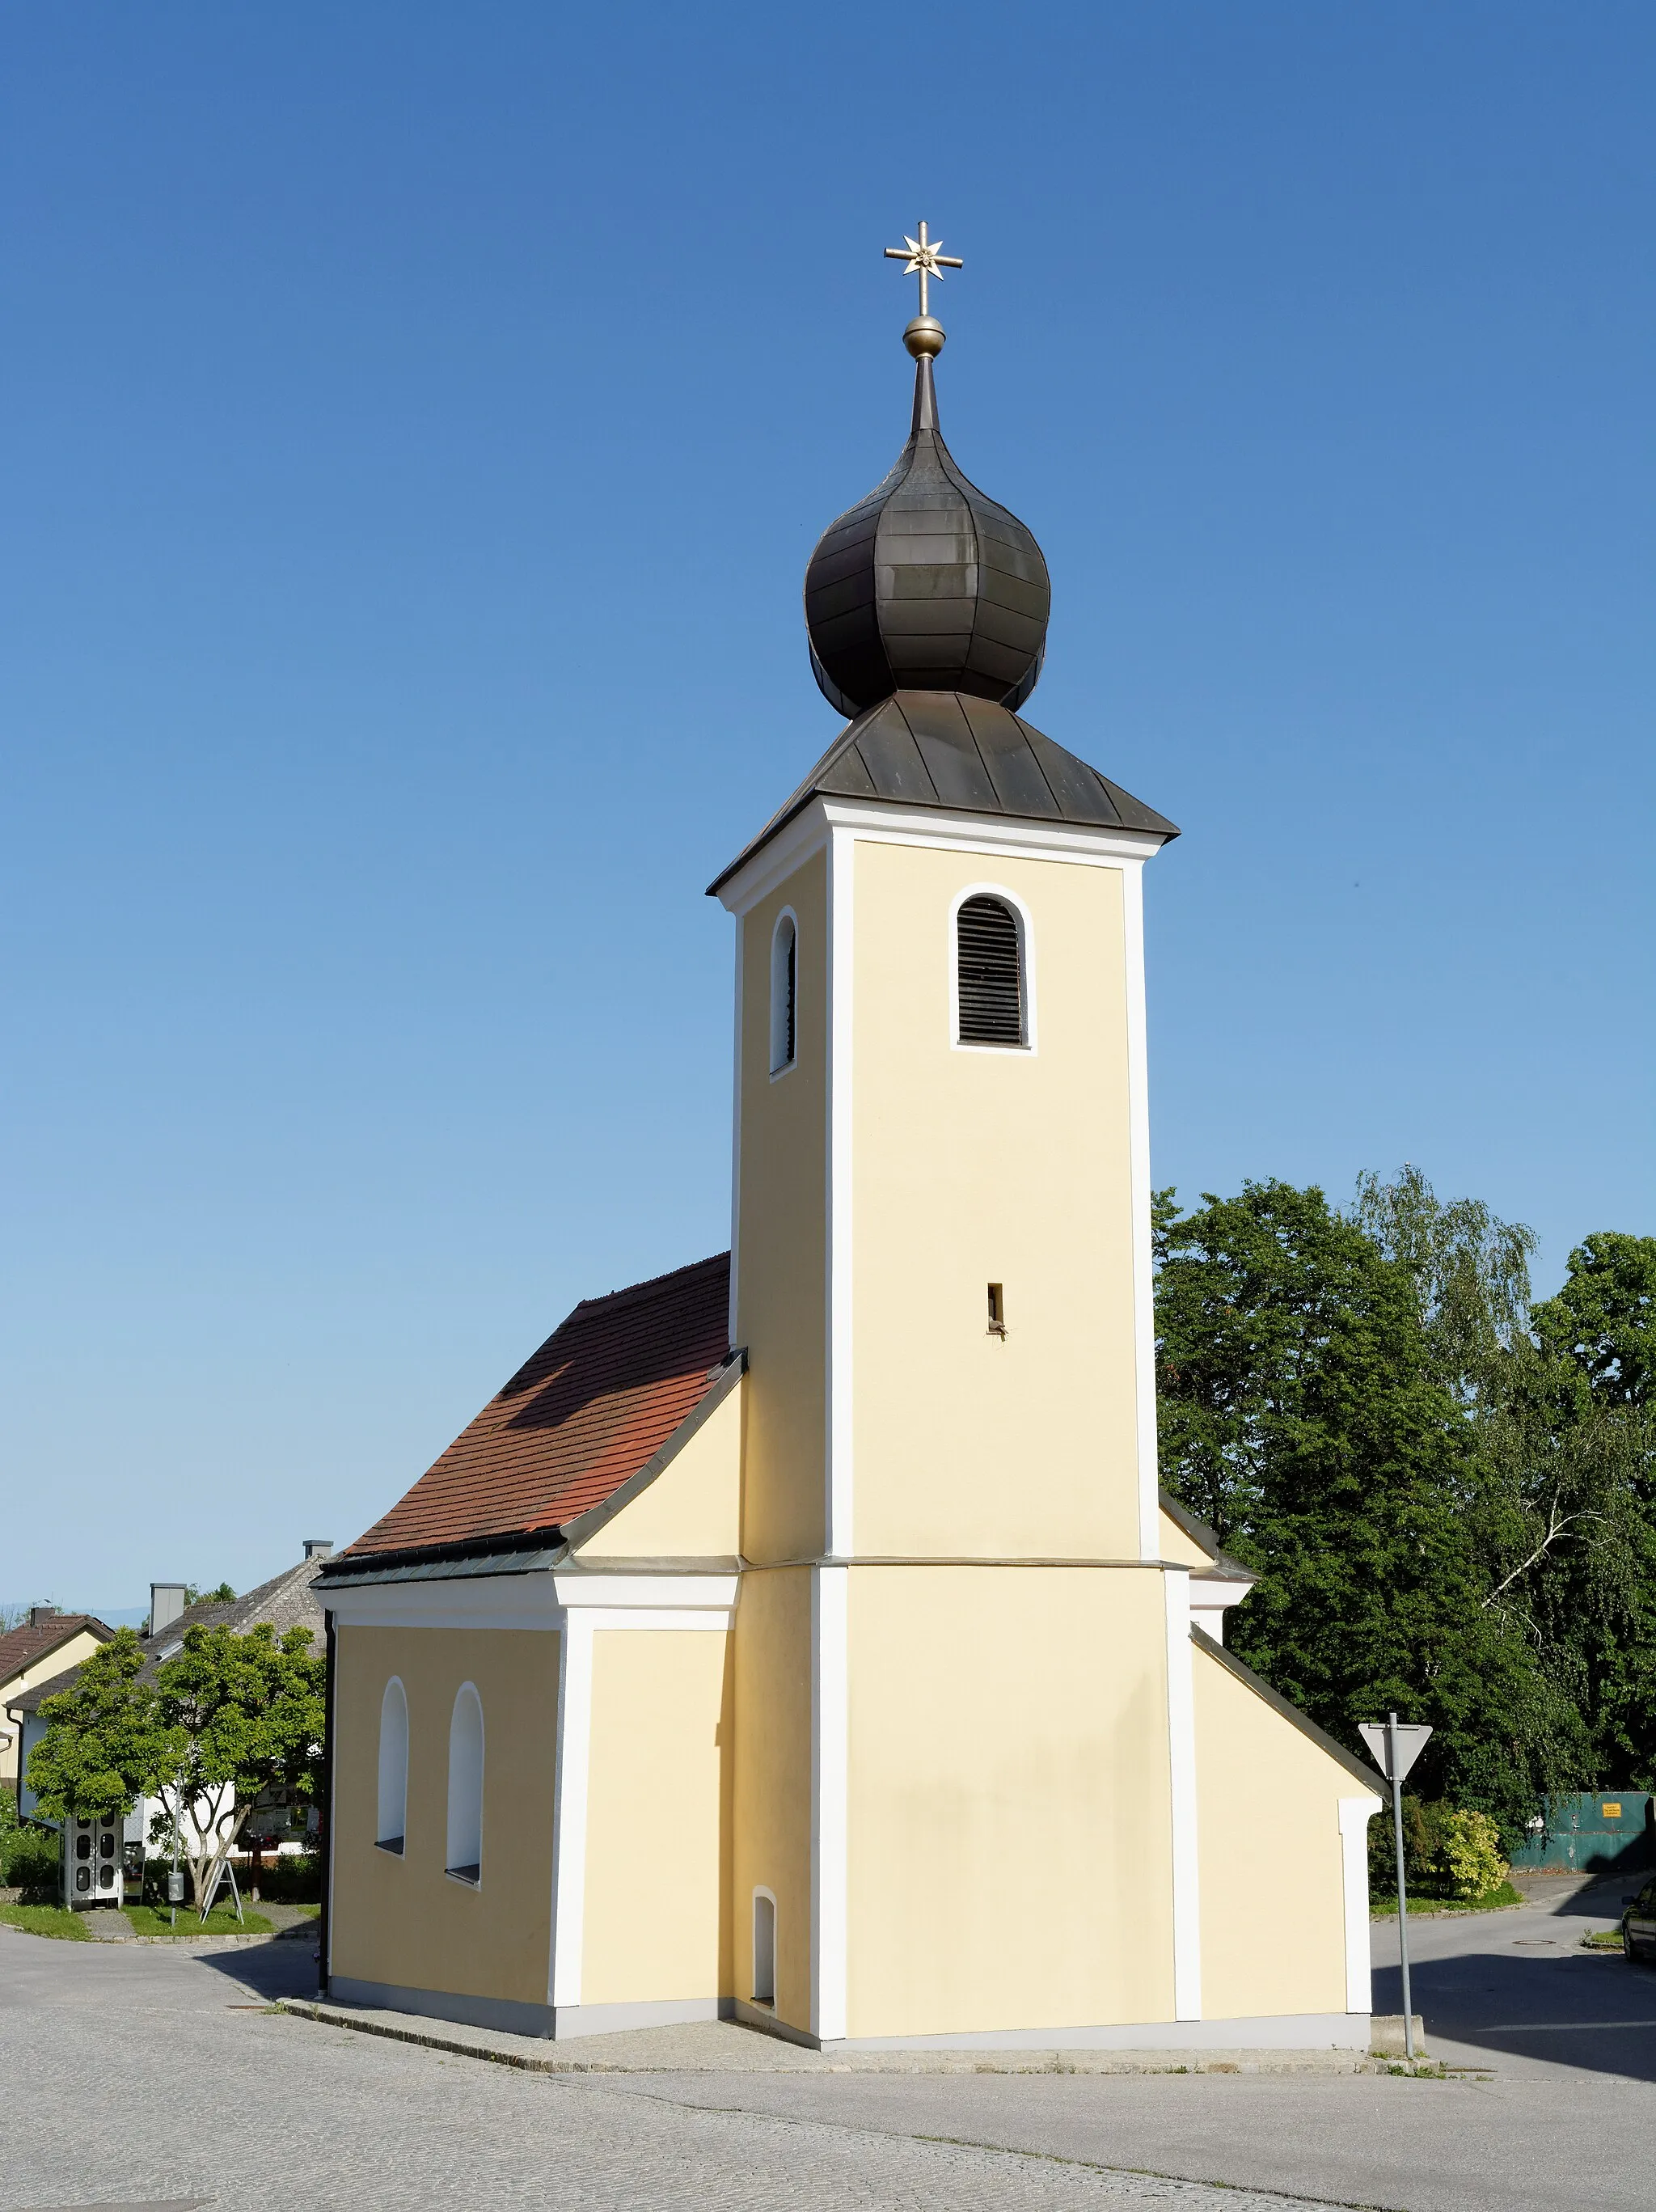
(963, 1667)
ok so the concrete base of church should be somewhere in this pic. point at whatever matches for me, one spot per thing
(1300, 2031)
(552, 2022)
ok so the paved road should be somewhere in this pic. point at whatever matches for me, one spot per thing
(1515, 1990)
(133, 2079)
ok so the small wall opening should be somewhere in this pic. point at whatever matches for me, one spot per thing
(997, 1310)
(784, 981)
(764, 1948)
(463, 1858)
(391, 1827)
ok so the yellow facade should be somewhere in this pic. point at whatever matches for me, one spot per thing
(1007, 1867)
(773, 1807)
(781, 1230)
(977, 1166)
(656, 1920)
(692, 1511)
(1273, 1895)
(403, 1921)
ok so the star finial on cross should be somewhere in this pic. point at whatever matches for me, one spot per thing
(924, 259)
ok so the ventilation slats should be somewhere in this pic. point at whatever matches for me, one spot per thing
(990, 972)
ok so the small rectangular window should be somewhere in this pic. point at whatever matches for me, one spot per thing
(997, 1310)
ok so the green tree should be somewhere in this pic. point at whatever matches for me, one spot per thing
(1604, 1319)
(105, 1744)
(1306, 1414)
(246, 1716)
(229, 1720)
(1600, 1334)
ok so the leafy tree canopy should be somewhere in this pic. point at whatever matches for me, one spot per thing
(105, 1744)
(1604, 1317)
(1320, 1405)
(231, 1719)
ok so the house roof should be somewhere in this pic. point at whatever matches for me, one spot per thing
(580, 1417)
(24, 1647)
(945, 749)
(286, 1601)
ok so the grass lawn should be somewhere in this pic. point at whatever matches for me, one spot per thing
(157, 1920)
(47, 1920)
(1381, 1908)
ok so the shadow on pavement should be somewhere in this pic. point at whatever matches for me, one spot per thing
(1591, 2012)
(1599, 1900)
(286, 1966)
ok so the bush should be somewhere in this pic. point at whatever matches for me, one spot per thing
(31, 1859)
(1447, 1853)
(293, 1879)
(1469, 1854)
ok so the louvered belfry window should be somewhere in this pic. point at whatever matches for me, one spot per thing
(990, 973)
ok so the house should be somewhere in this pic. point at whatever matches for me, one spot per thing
(47, 1644)
(286, 1600)
(800, 1636)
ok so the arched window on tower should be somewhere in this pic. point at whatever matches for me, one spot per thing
(463, 1858)
(991, 994)
(784, 992)
(392, 1827)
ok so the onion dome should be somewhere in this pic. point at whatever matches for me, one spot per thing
(926, 584)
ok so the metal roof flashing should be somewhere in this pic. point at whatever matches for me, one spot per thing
(948, 753)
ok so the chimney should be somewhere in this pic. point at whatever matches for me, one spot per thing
(40, 1616)
(318, 1547)
(165, 1604)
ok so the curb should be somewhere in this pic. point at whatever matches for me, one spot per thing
(400, 2028)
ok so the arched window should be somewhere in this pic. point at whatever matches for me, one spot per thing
(785, 991)
(989, 973)
(392, 1826)
(764, 1948)
(465, 1856)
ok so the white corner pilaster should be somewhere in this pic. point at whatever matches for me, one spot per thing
(1356, 1814)
(1138, 1151)
(830, 1779)
(574, 1751)
(736, 1131)
(1181, 1760)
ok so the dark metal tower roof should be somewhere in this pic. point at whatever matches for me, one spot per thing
(926, 584)
(949, 750)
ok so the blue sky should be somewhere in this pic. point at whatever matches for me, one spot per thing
(416, 422)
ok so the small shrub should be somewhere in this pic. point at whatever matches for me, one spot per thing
(293, 1879)
(1468, 1852)
(31, 1859)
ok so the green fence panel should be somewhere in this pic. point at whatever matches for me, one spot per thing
(1611, 1832)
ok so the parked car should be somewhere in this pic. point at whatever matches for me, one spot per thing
(1639, 1924)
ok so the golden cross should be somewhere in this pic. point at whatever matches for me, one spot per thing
(924, 259)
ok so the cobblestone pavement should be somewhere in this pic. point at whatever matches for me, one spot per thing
(135, 2077)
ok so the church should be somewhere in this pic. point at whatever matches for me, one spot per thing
(800, 1638)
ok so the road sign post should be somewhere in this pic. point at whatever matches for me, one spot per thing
(1394, 1748)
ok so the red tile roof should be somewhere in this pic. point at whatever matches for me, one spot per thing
(594, 1404)
(22, 1647)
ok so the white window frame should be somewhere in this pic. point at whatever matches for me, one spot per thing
(1021, 917)
(393, 1840)
(452, 1860)
(779, 1068)
(768, 1897)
